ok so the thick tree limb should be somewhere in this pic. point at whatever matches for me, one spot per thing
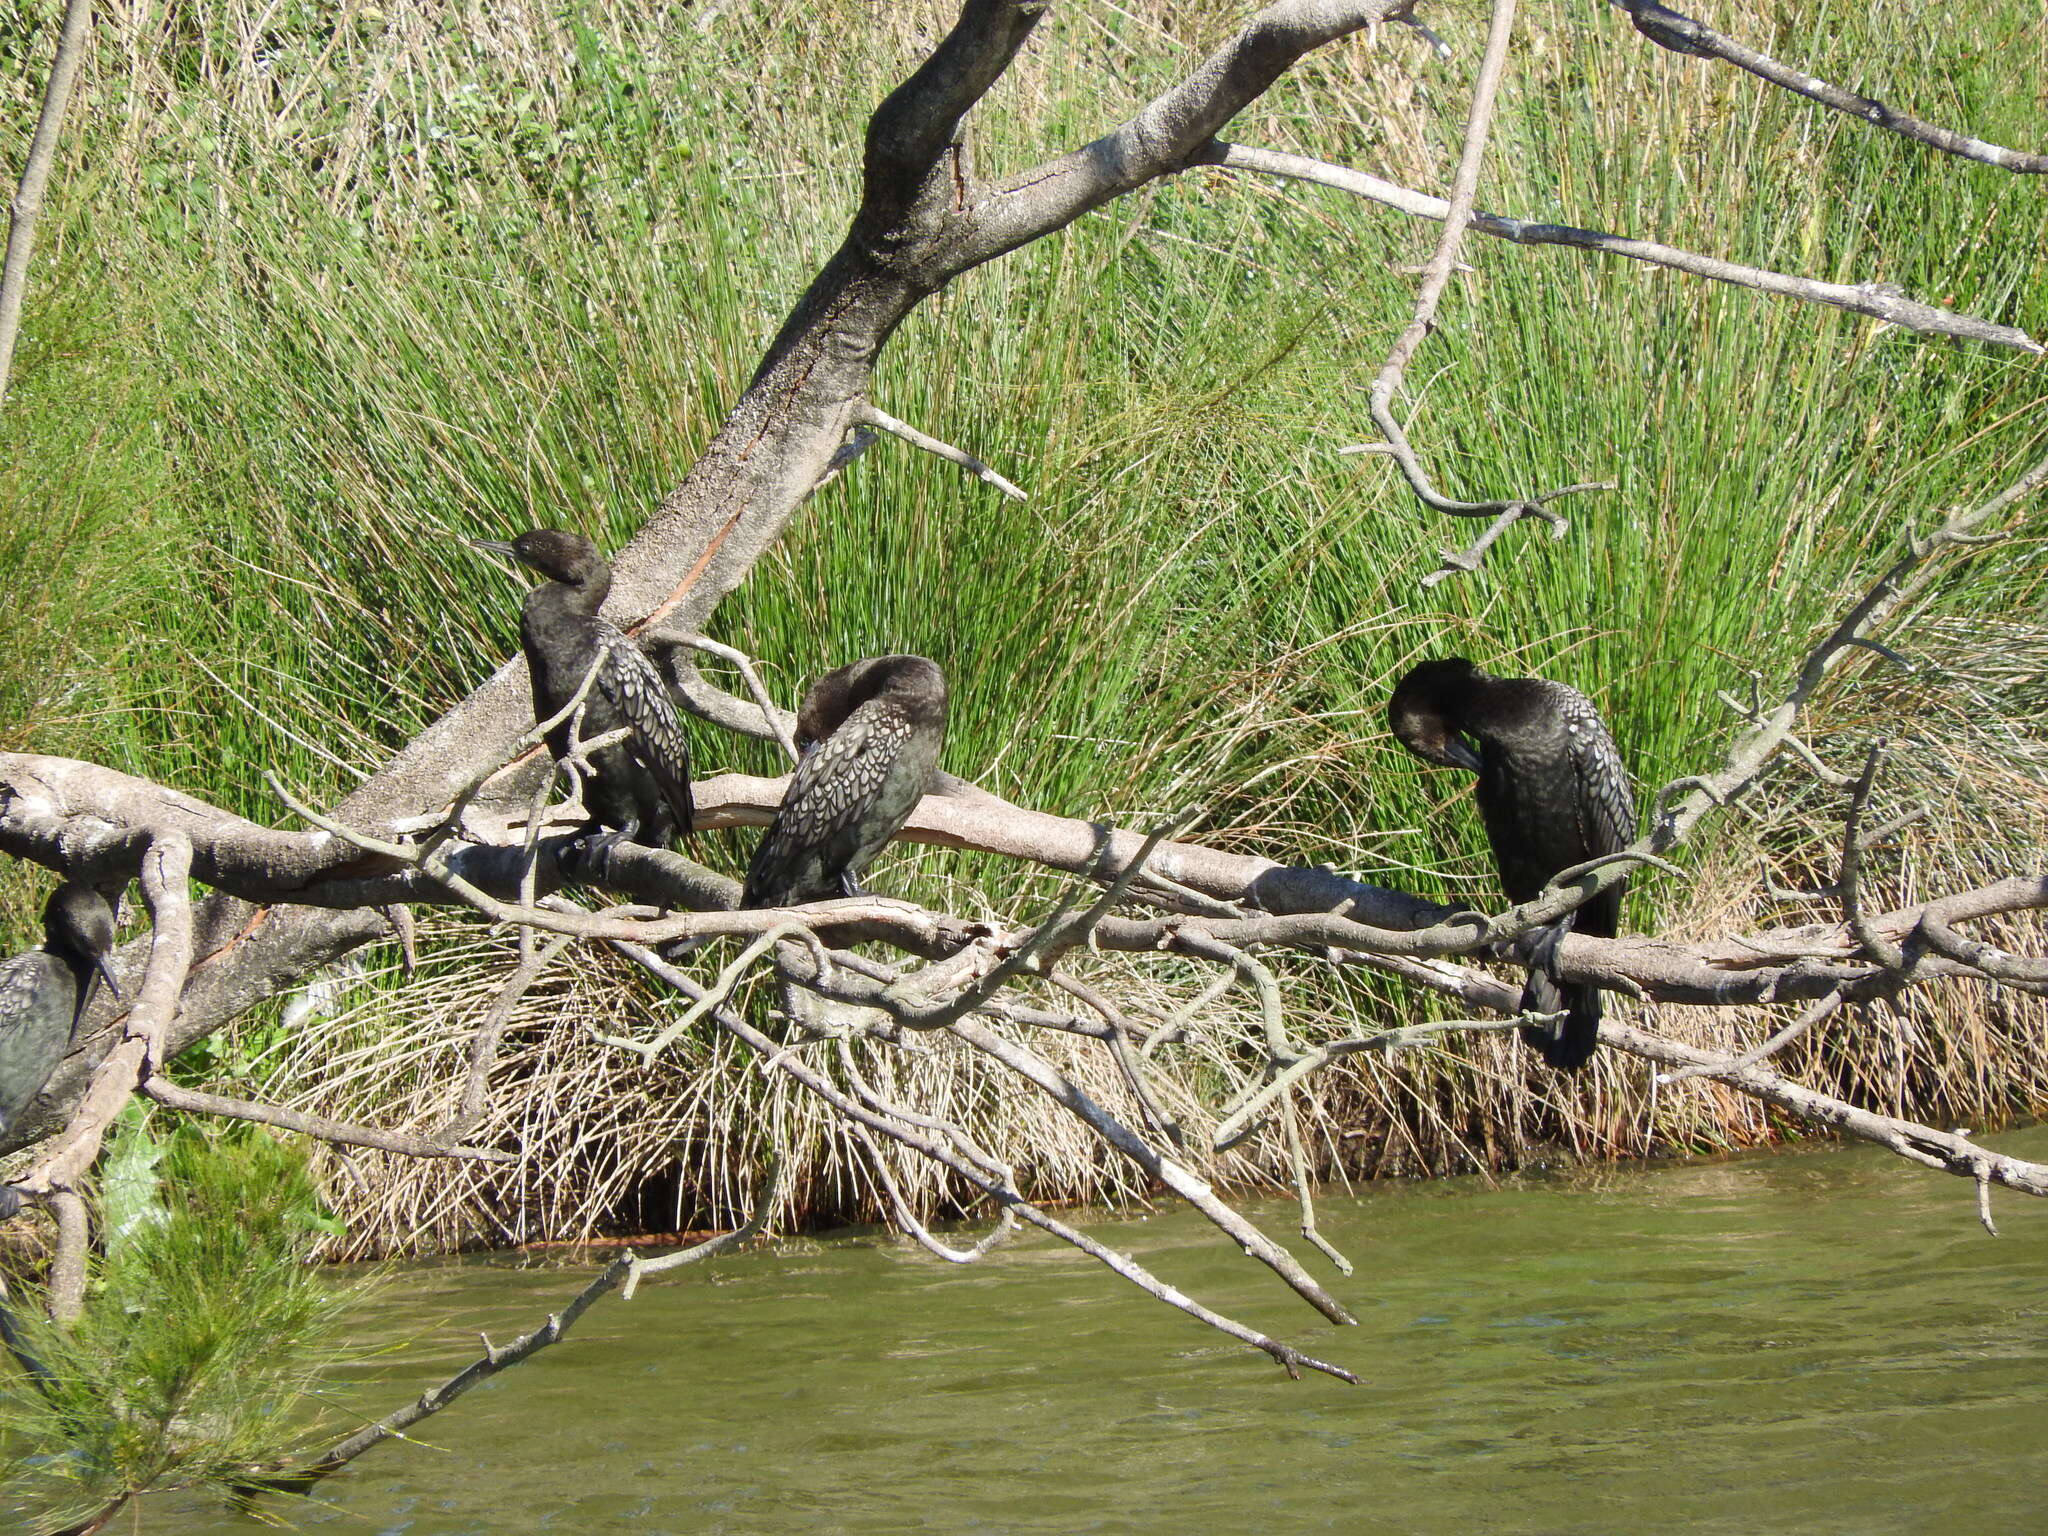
(1170, 130)
(1366, 923)
(165, 869)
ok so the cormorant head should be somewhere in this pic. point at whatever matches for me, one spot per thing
(913, 684)
(569, 558)
(78, 922)
(1425, 708)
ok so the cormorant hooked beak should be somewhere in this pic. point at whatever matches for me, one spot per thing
(107, 975)
(495, 546)
(1459, 751)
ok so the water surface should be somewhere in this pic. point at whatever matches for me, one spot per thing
(1817, 1341)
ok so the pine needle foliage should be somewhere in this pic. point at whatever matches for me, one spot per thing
(198, 1360)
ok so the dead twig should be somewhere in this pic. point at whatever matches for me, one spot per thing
(1681, 34)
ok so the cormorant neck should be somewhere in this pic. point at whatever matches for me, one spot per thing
(583, 590)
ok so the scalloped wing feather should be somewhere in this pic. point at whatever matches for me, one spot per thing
(629, 681)
(826, 827)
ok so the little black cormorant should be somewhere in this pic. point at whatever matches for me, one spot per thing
(43, 992)
(870, 734)
(1553, 792)
(640, 786)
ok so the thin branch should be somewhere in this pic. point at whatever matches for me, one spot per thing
(1879, 301)
(1129, 1063)
(1297, 1157)
(1907, 577)
(777, 719)
(906, 1219)
(1820, 1009)
(341, 1133)
(1000, 1189)
(1038, 951)
(27, 206)
(1947, 1151)
(623, 1274)
(1849, 883)
(1681, 34)
(1436, 275)
(1183, 1181)
(483, 1045)
(1241, 1116)
(967, 461)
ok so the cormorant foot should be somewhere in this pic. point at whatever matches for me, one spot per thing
(1539, 947)
(595, 853)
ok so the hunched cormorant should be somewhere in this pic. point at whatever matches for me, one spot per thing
(870, 734)
(43, 992)
(1553, 792)
(640, 786)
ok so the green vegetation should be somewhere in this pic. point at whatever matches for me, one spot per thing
(315, 299)
(196, 1362)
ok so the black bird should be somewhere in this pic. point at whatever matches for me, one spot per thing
(641, 786)
(1553, 792)
(43, 992)
(870, 735)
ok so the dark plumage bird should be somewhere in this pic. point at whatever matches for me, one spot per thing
(1553, 792)
(43, 992)
(870, 735)
(640, 786)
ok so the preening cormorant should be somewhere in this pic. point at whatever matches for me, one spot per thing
(1553, 792)
(640, 786)
(870, 735)
(43, 992)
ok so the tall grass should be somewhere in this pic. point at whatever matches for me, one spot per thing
(382, 279)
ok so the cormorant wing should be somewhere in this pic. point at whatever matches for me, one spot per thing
(637, 691)
(37, 1001)
(826, 811)
(1607, 806)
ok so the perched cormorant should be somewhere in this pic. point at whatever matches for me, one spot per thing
(43, 992)
(1553, 792)
(870, 734)
(640, 786)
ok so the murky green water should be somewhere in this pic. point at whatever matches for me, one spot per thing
(1814, 1342)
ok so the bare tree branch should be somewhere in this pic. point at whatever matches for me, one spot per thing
(1948, 1151)
(1436, 274)
(1879, 301)
(27, 206)
(173, 1096)
(1172, 128)
(883, 421)
(974, 1172)
(1681, 34)
(623, 1274)
(164, 872)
